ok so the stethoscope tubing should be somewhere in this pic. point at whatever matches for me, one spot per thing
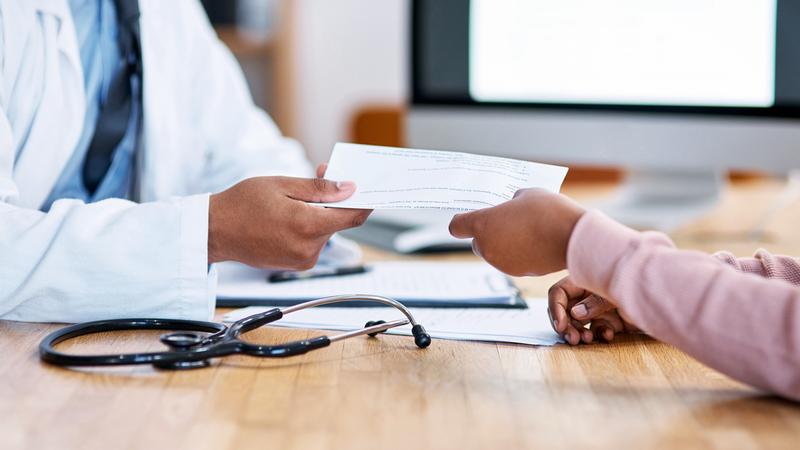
(189, 350)
(50, 355)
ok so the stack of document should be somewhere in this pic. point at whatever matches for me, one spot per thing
(529, 326)
(431, 284)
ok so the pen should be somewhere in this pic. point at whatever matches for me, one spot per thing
(279, 277)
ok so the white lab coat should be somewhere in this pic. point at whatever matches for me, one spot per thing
(201, 133)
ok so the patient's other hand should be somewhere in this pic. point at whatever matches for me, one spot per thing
(572, 307)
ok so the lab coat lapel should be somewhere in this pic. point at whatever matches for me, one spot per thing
(159, 160)
(59, 119)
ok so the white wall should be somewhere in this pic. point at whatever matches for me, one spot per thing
(346, 53)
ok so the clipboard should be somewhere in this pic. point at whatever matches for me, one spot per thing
(413, 283)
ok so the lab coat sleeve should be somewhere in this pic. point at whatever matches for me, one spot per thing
(110, 259)
(242, 139)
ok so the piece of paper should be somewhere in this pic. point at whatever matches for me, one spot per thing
(529, 326)
(404, 280)
(405, 178)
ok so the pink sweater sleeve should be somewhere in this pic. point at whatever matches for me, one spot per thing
(743, 324)
(765, 264)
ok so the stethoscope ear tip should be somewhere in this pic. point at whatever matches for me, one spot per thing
(421, 337)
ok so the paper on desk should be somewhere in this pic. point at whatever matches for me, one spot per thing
(451, 281)
(529, 326)
(404, 178)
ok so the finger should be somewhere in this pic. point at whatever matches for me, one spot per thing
(321, 169)
(602, 330)
(559, 314)
(607, 334)
(584, 333)
(559, 297)
(603, 334)
(572, 334)
(319, 190)
(565, 331)
(613, 320)
(591, 307)
(330, 220)
(463, 225)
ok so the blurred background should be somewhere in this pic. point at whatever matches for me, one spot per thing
(326, 71)
(666, 102)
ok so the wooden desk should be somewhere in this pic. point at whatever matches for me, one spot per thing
(385, 393)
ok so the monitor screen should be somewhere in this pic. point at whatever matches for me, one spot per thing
(709, 56)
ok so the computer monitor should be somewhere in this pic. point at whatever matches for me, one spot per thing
(676, 91)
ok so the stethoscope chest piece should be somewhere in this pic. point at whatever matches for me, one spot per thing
(181, 341)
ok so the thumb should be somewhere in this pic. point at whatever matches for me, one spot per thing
(591, 307)
(463, 225)
(321, 169)
(319, 190)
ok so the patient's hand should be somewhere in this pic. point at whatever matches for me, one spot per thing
(524, 236)
(572, 307)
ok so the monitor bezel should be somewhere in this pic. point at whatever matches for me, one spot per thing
(419, 98)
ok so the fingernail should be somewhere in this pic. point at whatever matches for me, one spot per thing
(580, 311)
(345, 185)
(607, 334)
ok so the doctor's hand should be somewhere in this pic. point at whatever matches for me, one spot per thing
(266, 222)
(571, 308)
(527, 235)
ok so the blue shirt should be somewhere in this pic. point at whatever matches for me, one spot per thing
(96, 27)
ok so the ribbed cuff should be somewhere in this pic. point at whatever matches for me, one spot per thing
(595, 248)
(198, 281)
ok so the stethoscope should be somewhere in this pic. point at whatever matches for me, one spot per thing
(196, 342)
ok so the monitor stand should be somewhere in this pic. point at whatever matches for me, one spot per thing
(664, 200)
